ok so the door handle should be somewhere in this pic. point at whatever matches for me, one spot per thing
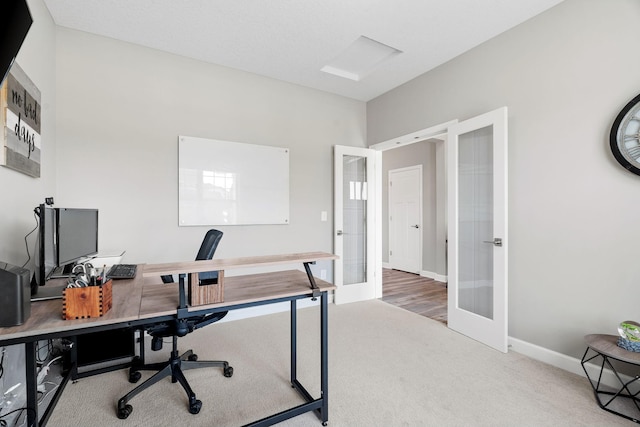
(339, 233)
(497, 241)
(415, 226)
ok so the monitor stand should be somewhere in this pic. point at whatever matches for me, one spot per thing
(47, 293)
(62, 272)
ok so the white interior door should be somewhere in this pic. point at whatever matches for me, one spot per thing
(477, 225)
(354, 214)
(405, 219)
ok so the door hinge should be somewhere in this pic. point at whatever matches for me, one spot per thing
(390, 252)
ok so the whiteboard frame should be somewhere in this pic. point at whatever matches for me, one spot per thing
(231, 183)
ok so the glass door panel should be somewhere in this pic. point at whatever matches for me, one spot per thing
(355, 219)
(475, 221)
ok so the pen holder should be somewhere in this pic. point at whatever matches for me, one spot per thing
(206, 293)
(86, 302)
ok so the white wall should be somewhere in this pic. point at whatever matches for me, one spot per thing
(19, 193)
(120, 110)
(573, 211)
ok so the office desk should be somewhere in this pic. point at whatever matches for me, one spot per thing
(138, 302)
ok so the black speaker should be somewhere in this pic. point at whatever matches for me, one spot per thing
(15, 295)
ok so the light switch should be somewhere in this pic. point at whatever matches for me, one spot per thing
(323, 216)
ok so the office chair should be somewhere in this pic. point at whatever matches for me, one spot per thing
(178, 327)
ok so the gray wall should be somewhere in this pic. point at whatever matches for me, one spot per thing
(420, 153)
(564, 75)
(120, 110)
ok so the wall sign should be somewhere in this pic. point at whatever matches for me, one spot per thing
(20, 123)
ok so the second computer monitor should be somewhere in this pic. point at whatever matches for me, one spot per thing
(77, 234)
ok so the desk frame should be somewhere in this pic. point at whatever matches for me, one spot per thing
(319, 405)
(72, 328)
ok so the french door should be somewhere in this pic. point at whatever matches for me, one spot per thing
(477, 228)
(354, 222)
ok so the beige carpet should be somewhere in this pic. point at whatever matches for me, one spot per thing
(387, 367)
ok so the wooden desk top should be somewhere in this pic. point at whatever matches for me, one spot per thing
(46, 316)
(140, 298)
(234, 263)
(162, 299)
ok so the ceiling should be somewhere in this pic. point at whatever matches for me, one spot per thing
(291, 40)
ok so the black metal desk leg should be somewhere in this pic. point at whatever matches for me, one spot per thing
(294, 335)
(31, 378)
(324, 357)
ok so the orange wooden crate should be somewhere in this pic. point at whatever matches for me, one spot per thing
(86, 302)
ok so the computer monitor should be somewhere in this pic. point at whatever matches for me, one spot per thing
(66, 235)
(77, 234)
(47, 252)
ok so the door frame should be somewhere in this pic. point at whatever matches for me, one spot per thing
(417, 168)
(438, 131)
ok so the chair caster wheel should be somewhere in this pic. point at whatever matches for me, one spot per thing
(134, 377)
(195, 407)
(124, 413)
(193, 357)
(228, 372)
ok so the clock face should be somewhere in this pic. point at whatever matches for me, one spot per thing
(625, 136)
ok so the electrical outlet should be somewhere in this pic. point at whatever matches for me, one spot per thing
(323, 274)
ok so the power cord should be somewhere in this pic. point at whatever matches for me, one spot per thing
(26, 244)
(3, 422)
(49, 347)
(42, 373)
(2, 362)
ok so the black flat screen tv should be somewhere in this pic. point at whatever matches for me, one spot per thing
(15, 21)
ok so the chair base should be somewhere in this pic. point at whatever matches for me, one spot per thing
(174, 368)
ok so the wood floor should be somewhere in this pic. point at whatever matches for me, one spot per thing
(415, 293)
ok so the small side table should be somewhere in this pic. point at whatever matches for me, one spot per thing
(606, 348)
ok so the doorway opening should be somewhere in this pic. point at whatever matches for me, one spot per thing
(421, 295)
(422, 290)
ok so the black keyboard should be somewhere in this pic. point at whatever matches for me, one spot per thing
(122, 271)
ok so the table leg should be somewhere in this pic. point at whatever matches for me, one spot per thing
(324, 358)
(294, 343)
(31, 379)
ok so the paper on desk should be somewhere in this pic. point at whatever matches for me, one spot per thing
(107, 260)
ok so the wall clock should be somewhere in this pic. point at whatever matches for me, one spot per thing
(625, 136)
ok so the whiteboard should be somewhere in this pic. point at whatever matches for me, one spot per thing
(231, 183)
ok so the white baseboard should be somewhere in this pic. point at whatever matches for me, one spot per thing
(424, 273)
(434, 276)
(562, 361)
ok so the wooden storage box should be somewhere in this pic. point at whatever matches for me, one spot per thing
(206, 293)
(86, 302)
